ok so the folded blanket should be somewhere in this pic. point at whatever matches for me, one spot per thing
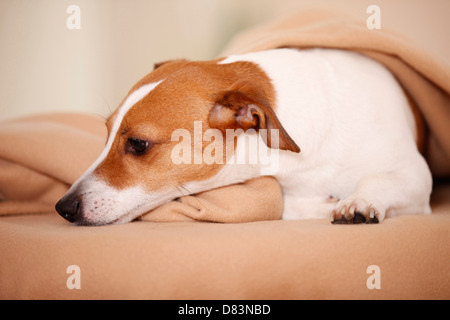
(41, 156)
(423, 72)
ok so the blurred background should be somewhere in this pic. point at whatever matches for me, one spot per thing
(47, 67)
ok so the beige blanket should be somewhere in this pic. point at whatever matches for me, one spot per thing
(309, 259)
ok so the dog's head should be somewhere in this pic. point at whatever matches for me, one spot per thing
(156, 139)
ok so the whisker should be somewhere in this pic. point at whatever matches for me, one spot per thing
(179, 191)
(107, 104)
(196, 198)
(185, 189)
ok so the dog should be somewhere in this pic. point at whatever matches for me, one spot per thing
(345, 135)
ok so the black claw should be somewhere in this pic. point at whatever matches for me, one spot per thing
(373, 220)
(356, 219)
(339, 221)
(359, 218)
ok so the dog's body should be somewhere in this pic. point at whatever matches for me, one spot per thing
(358, 162)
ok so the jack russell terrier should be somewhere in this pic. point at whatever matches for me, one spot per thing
(345, 136)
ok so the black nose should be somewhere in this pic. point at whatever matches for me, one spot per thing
(69, 208)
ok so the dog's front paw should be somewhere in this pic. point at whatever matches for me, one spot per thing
(351, 211)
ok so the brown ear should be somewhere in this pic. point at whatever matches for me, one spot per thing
(159, 64)
(235, 109)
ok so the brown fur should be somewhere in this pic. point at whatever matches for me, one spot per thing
(188, 93)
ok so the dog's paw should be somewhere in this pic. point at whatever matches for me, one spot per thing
(351, 211)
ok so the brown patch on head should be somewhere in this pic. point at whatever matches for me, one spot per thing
(190, 91)
(240, 110)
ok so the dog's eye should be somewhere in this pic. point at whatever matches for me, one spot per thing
(137, 146)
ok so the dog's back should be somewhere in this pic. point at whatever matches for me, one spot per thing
(356, 131)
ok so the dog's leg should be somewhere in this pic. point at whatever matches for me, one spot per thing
(308, 208)
(394, 193)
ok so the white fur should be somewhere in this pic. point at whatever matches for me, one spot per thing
(103, 204)
(356, 131)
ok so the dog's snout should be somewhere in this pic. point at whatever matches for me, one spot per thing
(69, 208)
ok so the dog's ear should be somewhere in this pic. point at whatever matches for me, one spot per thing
(235, 109)
(159, 64)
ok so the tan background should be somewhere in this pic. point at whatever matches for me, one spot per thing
(45, 67)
